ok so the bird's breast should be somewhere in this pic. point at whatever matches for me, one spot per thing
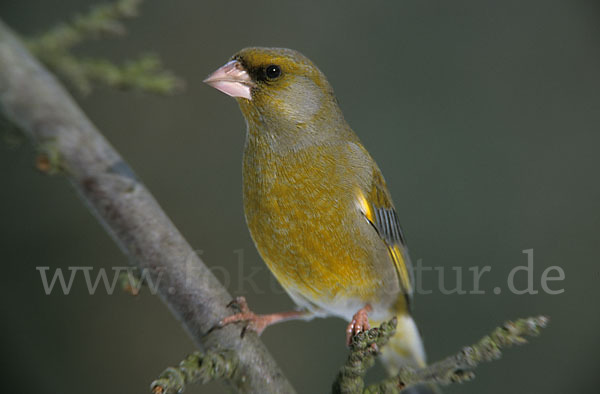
(302, 215)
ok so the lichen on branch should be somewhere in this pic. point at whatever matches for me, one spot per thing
(453, 369)
(364, 348)
(196, 368)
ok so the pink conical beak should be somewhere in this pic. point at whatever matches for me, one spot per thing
(232, 79)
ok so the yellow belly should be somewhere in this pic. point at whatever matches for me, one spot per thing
(303, 219)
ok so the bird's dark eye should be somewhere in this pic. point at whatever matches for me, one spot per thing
(273, 71)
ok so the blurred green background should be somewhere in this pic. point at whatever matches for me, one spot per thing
(482, 115)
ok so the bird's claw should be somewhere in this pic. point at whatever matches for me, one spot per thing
(359, 323)
(240, 303)
(254, 322)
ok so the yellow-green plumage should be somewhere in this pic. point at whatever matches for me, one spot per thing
(302, 212)
(316, 204)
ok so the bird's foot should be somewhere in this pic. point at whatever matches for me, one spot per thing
(359, 323)
(254, 322)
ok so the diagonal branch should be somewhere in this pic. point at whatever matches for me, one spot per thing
(459, 367)
(69, 143)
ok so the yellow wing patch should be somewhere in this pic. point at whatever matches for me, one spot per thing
(401, 267)
(379, 211)
(365, 207)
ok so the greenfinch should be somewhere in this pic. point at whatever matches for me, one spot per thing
(316, 204)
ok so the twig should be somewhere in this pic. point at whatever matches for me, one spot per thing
(363, 349)
(100, 20)
(54, 47)
(32, 99)
(454, 369)
(197, 368)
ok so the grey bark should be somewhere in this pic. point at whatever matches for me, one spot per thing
(32, 99)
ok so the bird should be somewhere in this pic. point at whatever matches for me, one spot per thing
(316, 204)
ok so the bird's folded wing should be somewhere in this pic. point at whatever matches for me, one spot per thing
(379, 211)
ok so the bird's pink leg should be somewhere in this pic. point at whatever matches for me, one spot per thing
(257, 323)
(359, 323)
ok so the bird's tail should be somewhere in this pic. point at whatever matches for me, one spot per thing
(405, 348)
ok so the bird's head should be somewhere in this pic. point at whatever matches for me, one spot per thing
(277, 88)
